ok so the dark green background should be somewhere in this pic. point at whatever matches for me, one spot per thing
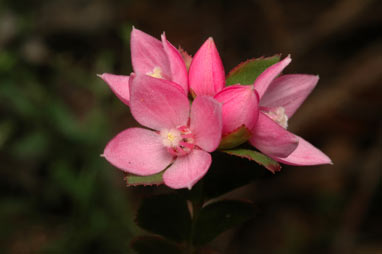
(57, 195)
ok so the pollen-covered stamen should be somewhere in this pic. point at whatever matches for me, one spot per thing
(179, 141)
(278, 115)
(155, 73)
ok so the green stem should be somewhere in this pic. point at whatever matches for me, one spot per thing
(197, 203)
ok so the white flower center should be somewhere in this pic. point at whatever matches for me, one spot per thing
(179, 141)
(155, 73)
(170, 137)
(278, 115)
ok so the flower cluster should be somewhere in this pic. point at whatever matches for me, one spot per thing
(181, 134)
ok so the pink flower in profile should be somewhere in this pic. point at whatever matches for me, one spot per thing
(159, 59)
(206, 76)
(182, 138)
(280, 97)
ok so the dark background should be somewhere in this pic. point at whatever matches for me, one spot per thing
(57, 195)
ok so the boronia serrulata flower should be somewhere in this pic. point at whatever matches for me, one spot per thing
(252, 104)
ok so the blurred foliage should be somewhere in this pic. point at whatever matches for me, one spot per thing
(57, 194)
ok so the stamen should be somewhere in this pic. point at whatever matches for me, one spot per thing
(155, 73)
(179, 141)
(170, 137)
(278, 115)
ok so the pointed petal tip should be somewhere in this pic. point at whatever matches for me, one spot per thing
(287, 59)
(134, 30)
(306, 155)
(325, 160)
(163, 36)
(206, 73)
(148, 157)
(263, 81)
(119, 84)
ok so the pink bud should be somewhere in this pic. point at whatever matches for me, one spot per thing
(240, 107)
(206, 74)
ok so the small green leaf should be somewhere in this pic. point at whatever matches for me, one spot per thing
(133, 180)
(166, 215)
(247, 72)
(154, 244)
(235, 138)
(218, 217)
(260, 158)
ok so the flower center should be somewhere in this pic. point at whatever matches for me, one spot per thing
(179, 141)
(155, 73)
(278, 115)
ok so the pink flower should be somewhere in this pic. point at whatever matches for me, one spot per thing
(182, 138)
(279, 99)
(159, 59)
(206, 75)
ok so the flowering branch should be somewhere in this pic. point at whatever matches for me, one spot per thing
(251, 106)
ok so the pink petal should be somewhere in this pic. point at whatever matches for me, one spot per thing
(177, 65)
(187, 170)
(119, 85)
(147, 53)
(305, 155)
(289, 91)
(158, 103)
(240, 107)
(138, 151)
(206, 122)
(272, 139)
(206, 75)
(264, 79)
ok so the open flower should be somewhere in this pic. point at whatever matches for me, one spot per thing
(279, 99)
(180, 138)
(159, 59)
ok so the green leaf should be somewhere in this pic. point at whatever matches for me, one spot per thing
(133, 180)
(218, 217)
(166, 215)
(154, 244)
(247, 72)
(235, 138)
(260, 158)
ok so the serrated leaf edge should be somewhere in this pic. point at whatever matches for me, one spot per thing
(237, 67)
(137, 184)
(272, 169)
